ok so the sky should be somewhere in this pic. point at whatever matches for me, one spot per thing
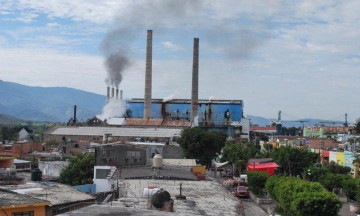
(300, 57)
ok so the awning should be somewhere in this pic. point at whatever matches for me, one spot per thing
(220, 165)
(262, 165)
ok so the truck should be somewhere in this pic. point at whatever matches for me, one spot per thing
(241, 191)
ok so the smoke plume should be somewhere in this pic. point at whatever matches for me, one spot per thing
(116, 45)
(222, 33)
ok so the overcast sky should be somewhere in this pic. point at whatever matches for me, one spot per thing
(301, 57)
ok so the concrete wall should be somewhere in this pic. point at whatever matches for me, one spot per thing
(6, 162)
(52, 168)
(104, 184)
(120, 155)
(38, 210)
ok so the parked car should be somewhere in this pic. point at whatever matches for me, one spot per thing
(242, 191)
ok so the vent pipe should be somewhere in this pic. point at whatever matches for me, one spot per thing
(74, 115)
(112, 92)
(148, 76)
(108, 94)
(195, 81)
(117, 93)
(121, 94)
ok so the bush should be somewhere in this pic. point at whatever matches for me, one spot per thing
(299, 197)
(350, 187)
(357, 196)
(256, 181)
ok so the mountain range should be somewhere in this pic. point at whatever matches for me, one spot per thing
(55, 104)
(261, 121)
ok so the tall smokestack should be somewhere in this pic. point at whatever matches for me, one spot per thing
(121, 94)
(148, 76)
(108, 94)
(195, 81)
(112, 92)
(74, 115)
(117, 93)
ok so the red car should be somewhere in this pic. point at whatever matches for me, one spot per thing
(242, 191)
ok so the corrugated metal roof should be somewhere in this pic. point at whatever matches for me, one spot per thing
(143, 122)
(117, 132)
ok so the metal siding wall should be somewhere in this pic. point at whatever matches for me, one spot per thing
(218, 111)
(137, 109)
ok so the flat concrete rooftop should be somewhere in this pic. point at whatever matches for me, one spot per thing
(55, 193)
(203, 198)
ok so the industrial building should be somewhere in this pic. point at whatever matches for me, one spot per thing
(156, 119)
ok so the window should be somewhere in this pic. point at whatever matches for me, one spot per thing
(27, 213)
(102, 173)
(133, 156)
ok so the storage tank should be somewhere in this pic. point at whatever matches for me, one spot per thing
(160, 198)
(158, 161)
(36, 175)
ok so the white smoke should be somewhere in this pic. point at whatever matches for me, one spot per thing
(196, 122)
(114, 108)
(171, 96)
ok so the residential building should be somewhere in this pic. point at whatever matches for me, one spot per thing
(16, 204)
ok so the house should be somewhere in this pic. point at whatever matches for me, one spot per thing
(23, 135)
(16, 204)
(59, 198)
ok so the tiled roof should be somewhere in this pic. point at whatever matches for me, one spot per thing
(176, 123)
(330, 129)
(257, 128)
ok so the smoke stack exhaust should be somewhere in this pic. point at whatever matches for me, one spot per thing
(117, 93)
(74, 115)
(112, 92)
(108, 94)
(121, 94)
(148, 76)
(195, 81)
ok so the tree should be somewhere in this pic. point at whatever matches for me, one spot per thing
(202, 145)
(350, 187)
(257, 181)
(233, 152)
(299, 197)
(268, 147)
(357, 126)
(79, 171)
(293, 161)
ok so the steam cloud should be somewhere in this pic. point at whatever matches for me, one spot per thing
(114, 108)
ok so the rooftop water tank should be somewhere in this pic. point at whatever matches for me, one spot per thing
(36, 175)
(158, 161)
(160, 198)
